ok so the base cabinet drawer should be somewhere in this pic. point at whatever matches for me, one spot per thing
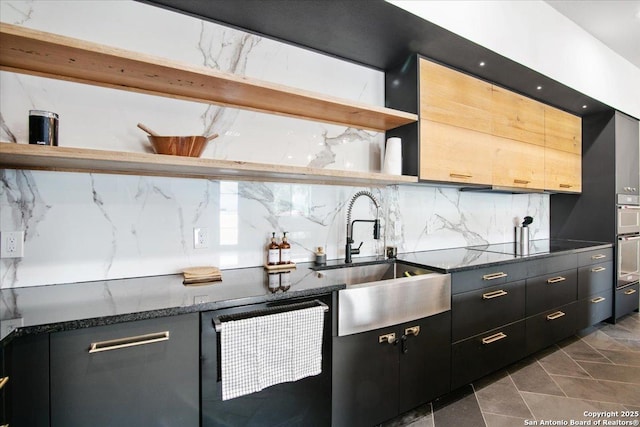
(486, 309)
(140, 373)
(486, 352)
(594, 309)
(626, 300)
(595, 278)
(551, 290)
(551, 326)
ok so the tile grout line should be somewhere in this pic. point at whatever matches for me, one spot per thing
(596, 379)
(576, 363)
(475, 395)
(580, 399)
(598, 350)
(522, 397)
(433, 418)
(554, 381)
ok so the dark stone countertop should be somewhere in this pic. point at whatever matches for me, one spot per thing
(62, 307)
(475, 257)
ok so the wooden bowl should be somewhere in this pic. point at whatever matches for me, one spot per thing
(189, 146)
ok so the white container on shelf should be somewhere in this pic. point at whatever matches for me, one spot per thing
(393, 157)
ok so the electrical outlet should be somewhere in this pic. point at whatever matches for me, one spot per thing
(201, 238)
(12, 244)
(8, 326)
(201, 299)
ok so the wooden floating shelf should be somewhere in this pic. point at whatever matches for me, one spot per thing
(37, 157)
(28, 51)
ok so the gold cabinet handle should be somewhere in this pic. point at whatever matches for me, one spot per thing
(556, 315)
(597, 300)
(598, 269)
(599, 256)
(493, 338)
(388, 338)
(556, 279)
(128, 342)
(566, 185)
(494, 294)
(3, 381)
(460, 175)
(521, 181)
(414, 330)
(494, 276)
(630, 292)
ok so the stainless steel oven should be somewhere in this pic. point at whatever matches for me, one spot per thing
(628, 221)
(628, 259)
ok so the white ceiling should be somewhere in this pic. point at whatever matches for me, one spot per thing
(616, 23)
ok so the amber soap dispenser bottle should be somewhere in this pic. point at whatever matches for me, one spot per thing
(285, 250)
(273, 251)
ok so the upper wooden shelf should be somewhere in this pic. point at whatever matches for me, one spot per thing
(25, 156)
(28, 51)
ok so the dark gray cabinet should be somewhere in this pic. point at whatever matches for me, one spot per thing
(25, 392)
(381, 373)
(138, 373)
(550, 326)
(626, 299)
(595, 287)
(610, 175)
(306, 402)
(487, 309)
(627, 155)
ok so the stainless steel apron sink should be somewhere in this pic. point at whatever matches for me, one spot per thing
(387, 294)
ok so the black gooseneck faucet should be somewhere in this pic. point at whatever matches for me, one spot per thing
(376, 225)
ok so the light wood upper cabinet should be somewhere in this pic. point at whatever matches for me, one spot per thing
(518, 164)
(563, 171)
(517, 117)
(473, 132)
(454, 98)
(562, 130)
(454, 154)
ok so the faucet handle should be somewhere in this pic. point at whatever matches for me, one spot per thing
(356, 251)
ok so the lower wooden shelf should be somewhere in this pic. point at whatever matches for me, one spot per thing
(35, 157)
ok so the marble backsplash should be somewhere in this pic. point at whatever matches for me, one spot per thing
(83, 227)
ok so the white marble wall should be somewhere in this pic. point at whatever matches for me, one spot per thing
(82, 227)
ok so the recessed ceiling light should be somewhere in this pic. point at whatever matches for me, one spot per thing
(482, 63)
(539, 87)
(584, 106)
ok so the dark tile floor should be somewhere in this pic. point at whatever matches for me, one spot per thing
(596, 370)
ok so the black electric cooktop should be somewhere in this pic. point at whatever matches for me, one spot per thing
(543, 246)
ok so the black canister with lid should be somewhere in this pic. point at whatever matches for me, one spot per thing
(43, 127)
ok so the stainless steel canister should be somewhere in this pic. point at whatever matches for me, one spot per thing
(522, 240)
(43, 127)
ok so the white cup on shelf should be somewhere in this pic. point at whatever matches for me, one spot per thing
(393, 157)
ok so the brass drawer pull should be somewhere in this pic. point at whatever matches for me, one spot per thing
(493, 338)
(598, 269)
(556, 279)
(556, 315)
(460, 175)
(494, 276)
(521, 181)
(3, 381)
(566, 185)
(597, 300)
(388, 338)
(599, 256)
(414, 330)
(494, 294)
(128, 342)
(630, 292)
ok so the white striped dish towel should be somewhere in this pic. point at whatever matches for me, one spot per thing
(263, 351)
